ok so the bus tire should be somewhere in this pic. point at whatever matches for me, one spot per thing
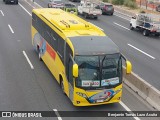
(39, 54)
(62, 85)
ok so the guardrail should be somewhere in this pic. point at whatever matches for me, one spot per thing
(143, 89)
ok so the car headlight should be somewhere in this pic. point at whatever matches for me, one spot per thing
(81, 94)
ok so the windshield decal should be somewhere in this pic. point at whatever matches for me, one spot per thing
(111, 81)
(104, 96)
(88, 83)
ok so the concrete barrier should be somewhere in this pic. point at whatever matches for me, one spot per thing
(143, 89)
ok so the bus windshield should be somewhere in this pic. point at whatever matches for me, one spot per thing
(99, 72)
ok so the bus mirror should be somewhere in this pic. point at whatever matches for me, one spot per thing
(128, 67)
(75, 70)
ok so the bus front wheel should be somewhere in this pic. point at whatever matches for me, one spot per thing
(62, 85)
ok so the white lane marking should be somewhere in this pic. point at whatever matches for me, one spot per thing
(121, 26)
(56, 112)
(24, 53)
(29, 4)
(96, 26)
(123, 13)
(2, 13)
(122, 17)
(25, 9)
(126, 108)
(38, 4)
(142, 51)
(10, 28)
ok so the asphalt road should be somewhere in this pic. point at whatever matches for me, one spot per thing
(143, 52)
(27, 88)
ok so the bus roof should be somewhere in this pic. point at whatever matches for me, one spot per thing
(94, 45)
(70, 24)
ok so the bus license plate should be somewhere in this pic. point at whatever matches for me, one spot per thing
(100, 100)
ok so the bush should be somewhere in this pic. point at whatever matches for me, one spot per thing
(130, 3)
(118, 2)
(105, 0)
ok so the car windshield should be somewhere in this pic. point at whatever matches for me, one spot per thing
(99, 71)
(57, 1)
(109, 6)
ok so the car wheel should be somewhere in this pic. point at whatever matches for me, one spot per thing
(16, 2)
(157, 34)
(78, 13)
(6, 2)
(145, 32)
(96, 17)
(85, 15)
(111, 14)
(131, 27)
(48, 6)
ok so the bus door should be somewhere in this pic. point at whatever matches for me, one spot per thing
(68, 69)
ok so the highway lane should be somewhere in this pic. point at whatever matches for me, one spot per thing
(143, 65)
(36, 89)
(19, 89)
(145, 58)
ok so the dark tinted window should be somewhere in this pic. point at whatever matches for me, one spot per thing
(109, 6)
(49, 35)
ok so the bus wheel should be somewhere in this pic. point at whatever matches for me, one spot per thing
(39, 54)
(62, 85)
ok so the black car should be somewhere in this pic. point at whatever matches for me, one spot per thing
(75, 0)
(158, 8)
(107, 8)
(10, 1)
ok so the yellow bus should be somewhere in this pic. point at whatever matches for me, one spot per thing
(85, 62)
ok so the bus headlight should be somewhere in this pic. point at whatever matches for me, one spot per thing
(81, 94)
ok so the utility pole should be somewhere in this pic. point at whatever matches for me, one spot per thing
(146, 4)
(140, 3)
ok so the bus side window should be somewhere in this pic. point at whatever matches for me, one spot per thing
(54, 41)
(61, 47)
(34, 20)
